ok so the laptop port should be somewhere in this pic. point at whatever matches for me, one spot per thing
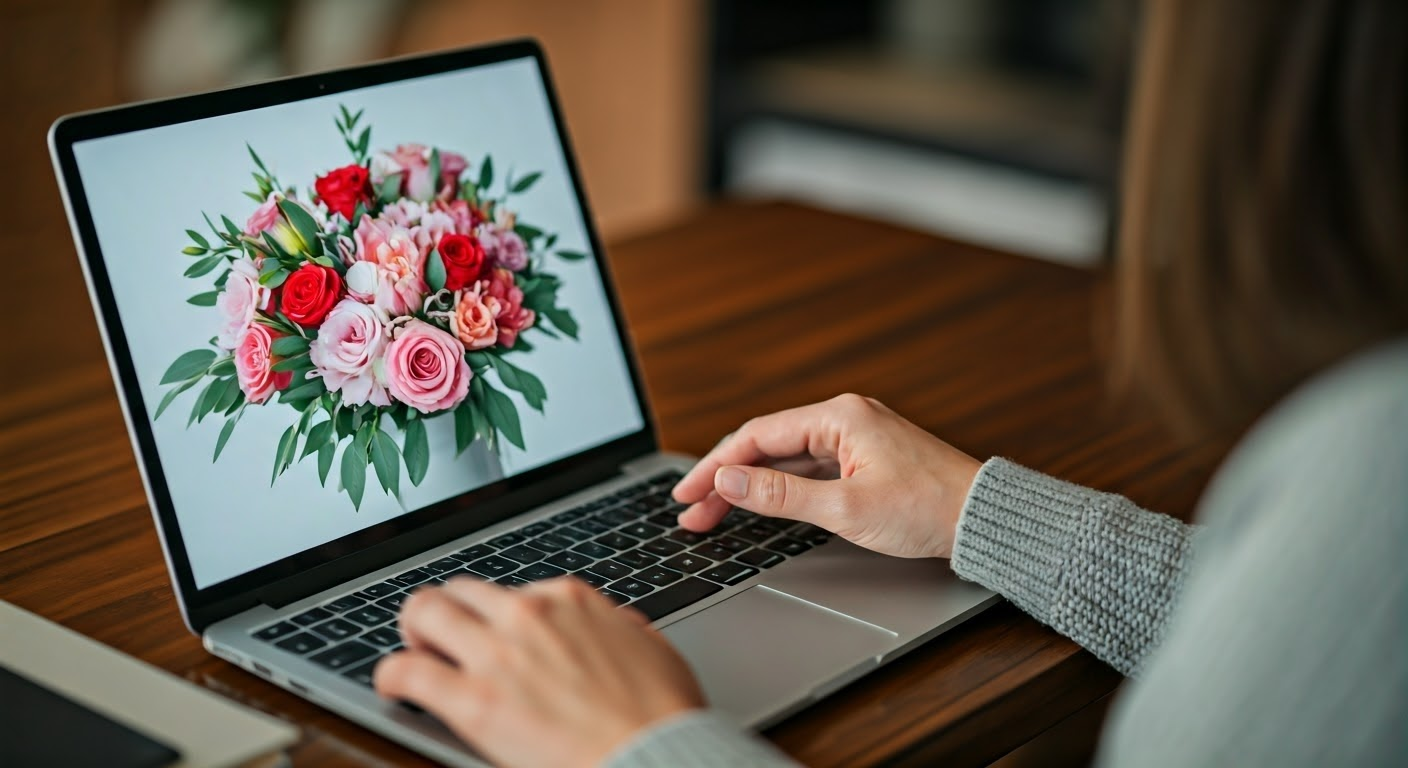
(263, 670)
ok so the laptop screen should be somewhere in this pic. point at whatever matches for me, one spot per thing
(346, 308)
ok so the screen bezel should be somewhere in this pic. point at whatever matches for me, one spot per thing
(314, 569)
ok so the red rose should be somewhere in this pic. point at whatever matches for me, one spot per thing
(463, 256)
(343, 188)
(308, 294)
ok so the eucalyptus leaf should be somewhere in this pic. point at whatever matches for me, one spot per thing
(224, 437)
(230, 229)
(206, 299)
(227, 397)
(199, 404)
(193, 363)
(416, 451)
(524, 183)
(225, 366)
(198, 238)
(527, 232)
(172, 395)
(205, 266)
(325, 453)
(571, 255)
(387, 461)
(486, 173)
(318, 436)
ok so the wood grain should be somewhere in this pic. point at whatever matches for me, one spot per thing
(743, 309)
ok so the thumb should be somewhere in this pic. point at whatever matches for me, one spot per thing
(774, 494)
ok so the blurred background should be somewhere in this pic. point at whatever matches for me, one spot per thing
(995, 121)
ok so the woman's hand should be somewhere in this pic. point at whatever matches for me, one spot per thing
(549, 674)
(900, 489)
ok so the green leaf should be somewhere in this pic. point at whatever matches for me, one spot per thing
(274, 279)
(288, 346)
(194, 250)
(416, 451)
(200, 402)
(550, 242)
(304, 224)
(486, 173)
(435, 271)
(239, 401)
(295, 363)
(276, 249)
(230, 229)
(325, 453)
(205, 266)
(191, 364)
(503, 415)
(212, 395)
(257, 162)
(227, 397)
(364, 141)
(319, 435)
(354, 468)
(283, 455)
(206, 299)
(524, 183)
(528, 233)
(521, 381)
(342, 422)
(224, 437)
(346, 116)
(390, 188)
(435, 170)
(387, 461)
(198, 238)
(571, 255)
(303, 392)
(482, 427)
(172, 395)
(464, 427)
(563, 320)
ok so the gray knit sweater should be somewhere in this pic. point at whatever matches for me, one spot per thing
(1273, 633)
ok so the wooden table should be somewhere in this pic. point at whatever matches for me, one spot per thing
(741, 310)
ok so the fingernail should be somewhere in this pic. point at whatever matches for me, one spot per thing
(731, 482)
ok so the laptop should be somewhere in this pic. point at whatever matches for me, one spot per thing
(366, 340)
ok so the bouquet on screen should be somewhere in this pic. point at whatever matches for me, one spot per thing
(381, 298)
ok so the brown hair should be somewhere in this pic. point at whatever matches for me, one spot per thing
(1264, 230)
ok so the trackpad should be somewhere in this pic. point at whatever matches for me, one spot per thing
(761, 650)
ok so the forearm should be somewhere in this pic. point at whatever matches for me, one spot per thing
(1093, 566)
(700, 739)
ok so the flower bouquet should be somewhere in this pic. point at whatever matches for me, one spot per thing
(381, 299)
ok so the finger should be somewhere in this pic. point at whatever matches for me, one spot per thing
(433, 620)
(806, 430)
(426, 681)
(779, 494)
(489, 600)
(706, 514)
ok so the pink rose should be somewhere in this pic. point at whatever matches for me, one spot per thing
(505, 298)
(472, 321)
(413, 160)
(264, 218)
(237, 303)
(400, 264)
(425, 368)
(348, 353)
(433, 225)
(254, 363)
(505, 248)
(465, 217)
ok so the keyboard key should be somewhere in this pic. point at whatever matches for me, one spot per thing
(441, 566)
(672, 598)
(659, 577)
(689, 538)
(370, 616)
(593, 550)
(662, 547)
(492, 566)
(301, 643)
(551, 542)
(592, 579)
(688, 562)
(713, 551)
(383, 637)
(737, 517)
(412, 577)
(610, 569)
(615, 516)
(379, 590)
(312, 616)
(573, 533)
(524, 554)
(507, 540)
(476, 552)
(759, 558)
(642, 530)
(570, 561)
(756, 532)
(731, 544)
(336, 629)
(729, 573)
(535, 529)
(811, 534)
(566, 517)
(276, 631)
(593, 525)
(512, 581)
(790, 547)
(615, 597)
(664, 519)
(345, 655)
(345, 603)
(393, 602)
(631, 587)
(637, 559)
(539, 571)
(362, 674)
(668, 477)
(616, 541)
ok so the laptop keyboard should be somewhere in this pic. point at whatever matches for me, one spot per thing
(625, 544)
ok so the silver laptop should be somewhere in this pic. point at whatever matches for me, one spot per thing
(366, 340)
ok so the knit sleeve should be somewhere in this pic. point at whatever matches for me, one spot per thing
(700, 739)
(1093, 566)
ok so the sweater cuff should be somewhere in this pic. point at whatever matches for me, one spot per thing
(1014, 533)
(696, 739)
